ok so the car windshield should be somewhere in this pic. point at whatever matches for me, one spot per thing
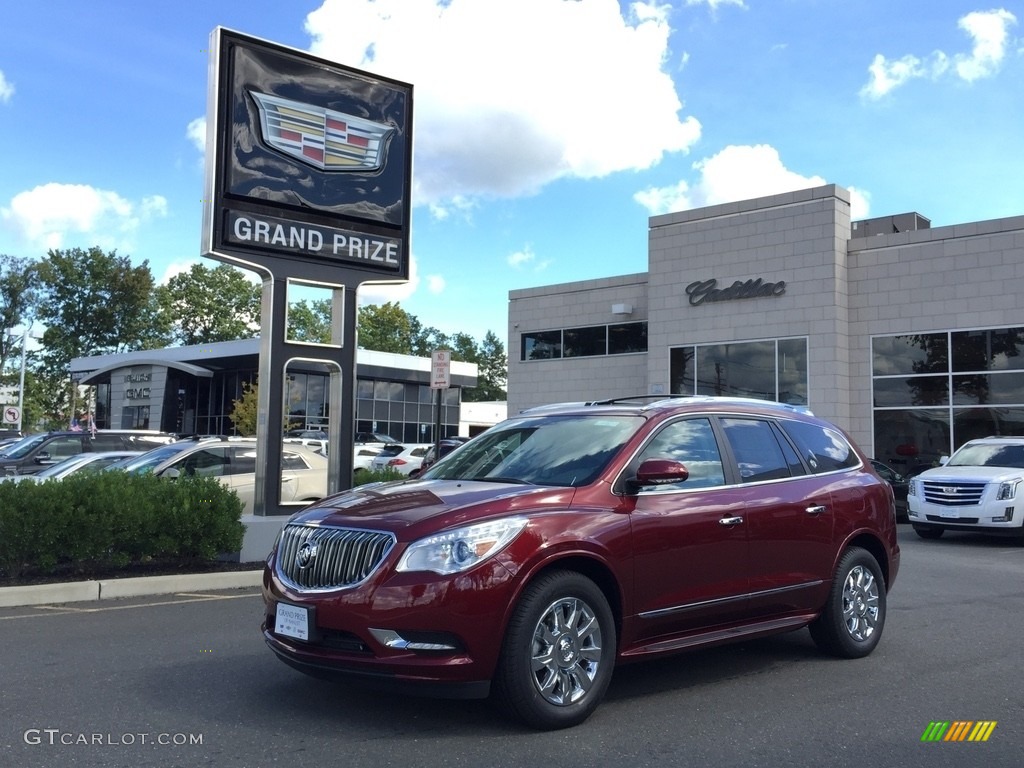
(150, 459)
(541, 450)
(22, 448)
(988, 455)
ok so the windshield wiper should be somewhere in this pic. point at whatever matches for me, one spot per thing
(499, 479)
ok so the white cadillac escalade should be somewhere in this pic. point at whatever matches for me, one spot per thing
(979, 488)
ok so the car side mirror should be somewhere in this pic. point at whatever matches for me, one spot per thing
(659, 472)
(171, 473)
(43, 457)
(943, 460)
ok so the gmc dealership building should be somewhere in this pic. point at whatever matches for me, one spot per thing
(909, 336)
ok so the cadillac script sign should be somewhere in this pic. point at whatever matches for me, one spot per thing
(308, 164)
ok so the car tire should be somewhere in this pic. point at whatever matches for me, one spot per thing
(558, 653)
(851, 623)
(928, 531)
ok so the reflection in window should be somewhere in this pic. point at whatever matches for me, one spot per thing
(999, 349)
(692, 443)
(626, 338)
(758, 452)
(585, 342)
(588, 341)
(766, 370)
(906, 391)
(916, 353)
(543, 345)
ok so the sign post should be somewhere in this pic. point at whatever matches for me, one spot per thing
(309, 169)
(440, 379)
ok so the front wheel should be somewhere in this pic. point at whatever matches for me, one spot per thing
(559, 650)
(851, 624)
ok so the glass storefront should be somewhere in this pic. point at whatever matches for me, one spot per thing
(775, 369)
(933, 392)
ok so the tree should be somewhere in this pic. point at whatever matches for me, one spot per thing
(205, 305)
(18, 281)
(245, 410)
(389, 328)
(310, 322)
(492, 362)
(93, 302)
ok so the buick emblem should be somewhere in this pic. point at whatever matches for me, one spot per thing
(305, 555)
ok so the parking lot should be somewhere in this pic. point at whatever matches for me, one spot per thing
(186, 680)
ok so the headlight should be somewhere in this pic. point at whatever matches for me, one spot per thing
(912, 488)
(455, 551)
(1007, 490)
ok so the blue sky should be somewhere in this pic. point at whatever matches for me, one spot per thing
(546, 131)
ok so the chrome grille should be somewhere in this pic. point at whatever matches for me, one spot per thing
(949, 494)
(311, 557)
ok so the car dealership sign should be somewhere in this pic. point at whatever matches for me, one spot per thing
(307, 161)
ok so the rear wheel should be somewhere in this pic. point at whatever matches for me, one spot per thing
(928, 531)
(851, 624)
(559, 650)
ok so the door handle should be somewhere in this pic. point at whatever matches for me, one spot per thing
(815, 509)
(731, 520)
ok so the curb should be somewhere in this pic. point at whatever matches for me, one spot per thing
(112, 589)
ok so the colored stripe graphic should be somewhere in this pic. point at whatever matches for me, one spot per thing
(959, 730)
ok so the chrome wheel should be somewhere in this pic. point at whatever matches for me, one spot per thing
(567, 651)
(860, 604)
(558, 653)
(853, 616)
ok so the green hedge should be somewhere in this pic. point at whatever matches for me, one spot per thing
(112, 519)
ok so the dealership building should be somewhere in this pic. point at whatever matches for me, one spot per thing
(192, 389)
(907, 335)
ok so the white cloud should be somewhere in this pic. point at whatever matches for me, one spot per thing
(6, 89)
(196, 133)
(714, 4)
(521, 258)
(436, 284)
(514, 94)
(738, 173)
(989, 31)
(381, 293)
(76, 215)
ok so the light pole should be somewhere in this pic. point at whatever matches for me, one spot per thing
(21, 382)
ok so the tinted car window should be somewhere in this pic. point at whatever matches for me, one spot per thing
(756, 447)
(824, 450)
(691, 442)
(243, 461)
(209, 462)
(62, 447)
(107, 443)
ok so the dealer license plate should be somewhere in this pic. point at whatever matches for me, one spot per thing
(292, 621)
(951, 513)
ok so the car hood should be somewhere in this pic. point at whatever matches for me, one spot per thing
(398, 506)
(965, 474)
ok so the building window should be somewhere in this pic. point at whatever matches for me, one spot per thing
(587, 341)
(135, 417)
(933, 392)
(765, 370)
(544, 345)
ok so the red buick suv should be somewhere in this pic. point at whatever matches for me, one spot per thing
(573, 538)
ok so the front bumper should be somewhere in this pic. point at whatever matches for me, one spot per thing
(1000, 517)
(417, 633)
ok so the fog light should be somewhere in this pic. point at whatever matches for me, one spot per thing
(1006, 517)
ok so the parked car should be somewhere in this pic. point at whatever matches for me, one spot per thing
(36, 452)
(374, 439)
(362, 458)
(432, 456)
(899, 487)
(92, 461)
(233, 462)
(569, 539)
(401, 458)
(975, 489)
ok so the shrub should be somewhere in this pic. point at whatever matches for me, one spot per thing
(386, 475)
(104, 519)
